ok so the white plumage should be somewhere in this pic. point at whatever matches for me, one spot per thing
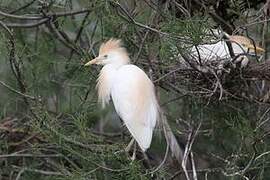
(219, 51)
(216, 51)
(135, 102)
(131, 90)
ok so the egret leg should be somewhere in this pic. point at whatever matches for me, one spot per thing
(134, 152)
(127, 149)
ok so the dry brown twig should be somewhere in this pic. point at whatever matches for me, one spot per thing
(191, 138)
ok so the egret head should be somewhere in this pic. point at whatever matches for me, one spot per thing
(111, 52)
(247, 44)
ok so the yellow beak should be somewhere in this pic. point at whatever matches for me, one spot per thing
(258, 49)
(93, 61)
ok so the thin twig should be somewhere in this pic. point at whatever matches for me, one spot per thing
(163, 161)
(28, 25)
(17, 92)
(57, 34)
(131, 20)
(30, 155)
(21, 17)
(191, 138)
(14, 65)
(48, 173)
(23, 7)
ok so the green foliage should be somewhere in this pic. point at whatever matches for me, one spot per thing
(64, 134)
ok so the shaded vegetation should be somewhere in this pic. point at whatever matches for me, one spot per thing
(51, 126)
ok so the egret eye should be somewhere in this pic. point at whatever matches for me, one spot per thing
(105, 56)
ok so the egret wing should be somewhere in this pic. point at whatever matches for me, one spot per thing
(135, 101)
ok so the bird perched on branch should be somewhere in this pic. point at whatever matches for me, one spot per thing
(131, 90)
(234, 48)
(133, 96)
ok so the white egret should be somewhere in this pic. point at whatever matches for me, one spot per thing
(219, 51)
(131, 90)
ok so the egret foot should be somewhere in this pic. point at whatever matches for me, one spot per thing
(127, 149)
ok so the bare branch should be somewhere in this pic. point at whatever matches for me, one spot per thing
(17, 92)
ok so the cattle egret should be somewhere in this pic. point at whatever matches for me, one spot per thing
(219, 51)
(131, 90)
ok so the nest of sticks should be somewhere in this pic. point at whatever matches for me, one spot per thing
(231, 81)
